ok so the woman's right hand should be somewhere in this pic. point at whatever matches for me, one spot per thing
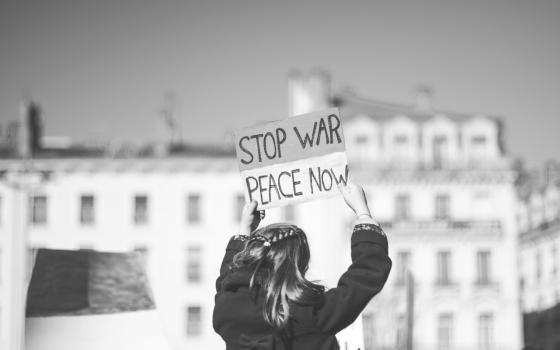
(355, 198)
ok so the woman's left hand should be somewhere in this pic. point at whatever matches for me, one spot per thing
(250, 218)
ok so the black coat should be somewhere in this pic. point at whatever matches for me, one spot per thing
(238, 317)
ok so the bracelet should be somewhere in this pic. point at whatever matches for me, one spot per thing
(240, 237)
(369, 227)
(366, 215)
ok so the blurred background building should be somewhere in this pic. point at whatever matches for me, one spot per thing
(473, 248)
(539, 257)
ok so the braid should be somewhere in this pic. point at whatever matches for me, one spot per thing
(277, 235)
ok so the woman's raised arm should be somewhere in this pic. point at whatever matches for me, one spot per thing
(367, 274)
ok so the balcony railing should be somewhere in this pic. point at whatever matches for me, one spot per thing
(444, 282)
(443, 226)
(489, 285)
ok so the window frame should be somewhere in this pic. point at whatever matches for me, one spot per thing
(483, 267)
(444, 268)
(85, 218)
(442, 207)
(402, 207)
(193, 264)
(193, 208)
(138, 219)
(38, 217)
(486, 325)
(445, 324)
(193, 330)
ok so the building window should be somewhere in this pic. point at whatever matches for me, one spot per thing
(485, 331)
(554, 253)
(444, 268)
(445, 332)
(538, 266)
(479, 140)
(238, 207)
(361, 140)
(194, 264)
(140, 209)
(39, 210)
(478, 147)
(369, 330)
(401, 331)
(481, 195)
(401, 139)
(289, 213)
(403, 263)
(483, 267)
(194, 320)
(402, 207)
(193, 208)
(87, 209)
(440, 151)
(442, 207)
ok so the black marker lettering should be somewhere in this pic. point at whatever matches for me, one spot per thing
(251, 188)
(245, 150)
(280, 140)
(272, 183)
(307, 138)
(334, 129)
(313, 178)
(342, 178)
(322, 129)
(256, 137)
(262, 189)
(324, 182)
(280, 184)
(294, 172)
(266, 145)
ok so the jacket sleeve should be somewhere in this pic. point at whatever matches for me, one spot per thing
(360, 283)
(235, 245)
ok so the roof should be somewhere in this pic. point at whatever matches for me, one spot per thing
(124, 151)
(352, 106)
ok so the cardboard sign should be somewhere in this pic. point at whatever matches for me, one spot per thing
(292, 160)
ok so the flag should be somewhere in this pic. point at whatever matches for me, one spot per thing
(90, 300)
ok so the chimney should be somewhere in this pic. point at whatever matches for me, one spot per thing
(319, 85)
(551, 172)
(167, 129)
(30, 129)
(308, 92)
(424, 98)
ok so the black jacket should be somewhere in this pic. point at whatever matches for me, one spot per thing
(238, 315)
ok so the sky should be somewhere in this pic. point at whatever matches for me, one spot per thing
(101, 69)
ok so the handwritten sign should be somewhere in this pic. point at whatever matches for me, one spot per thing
(292, 160)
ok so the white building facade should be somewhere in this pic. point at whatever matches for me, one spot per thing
(539, 257)
(444, 189)
(440, 183)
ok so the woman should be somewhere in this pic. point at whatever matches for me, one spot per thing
(263, 299)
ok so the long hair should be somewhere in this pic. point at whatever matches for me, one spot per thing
(279, 269)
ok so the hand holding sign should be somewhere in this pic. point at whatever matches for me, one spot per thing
(250, 218)
(355, 198)
(293, 160)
